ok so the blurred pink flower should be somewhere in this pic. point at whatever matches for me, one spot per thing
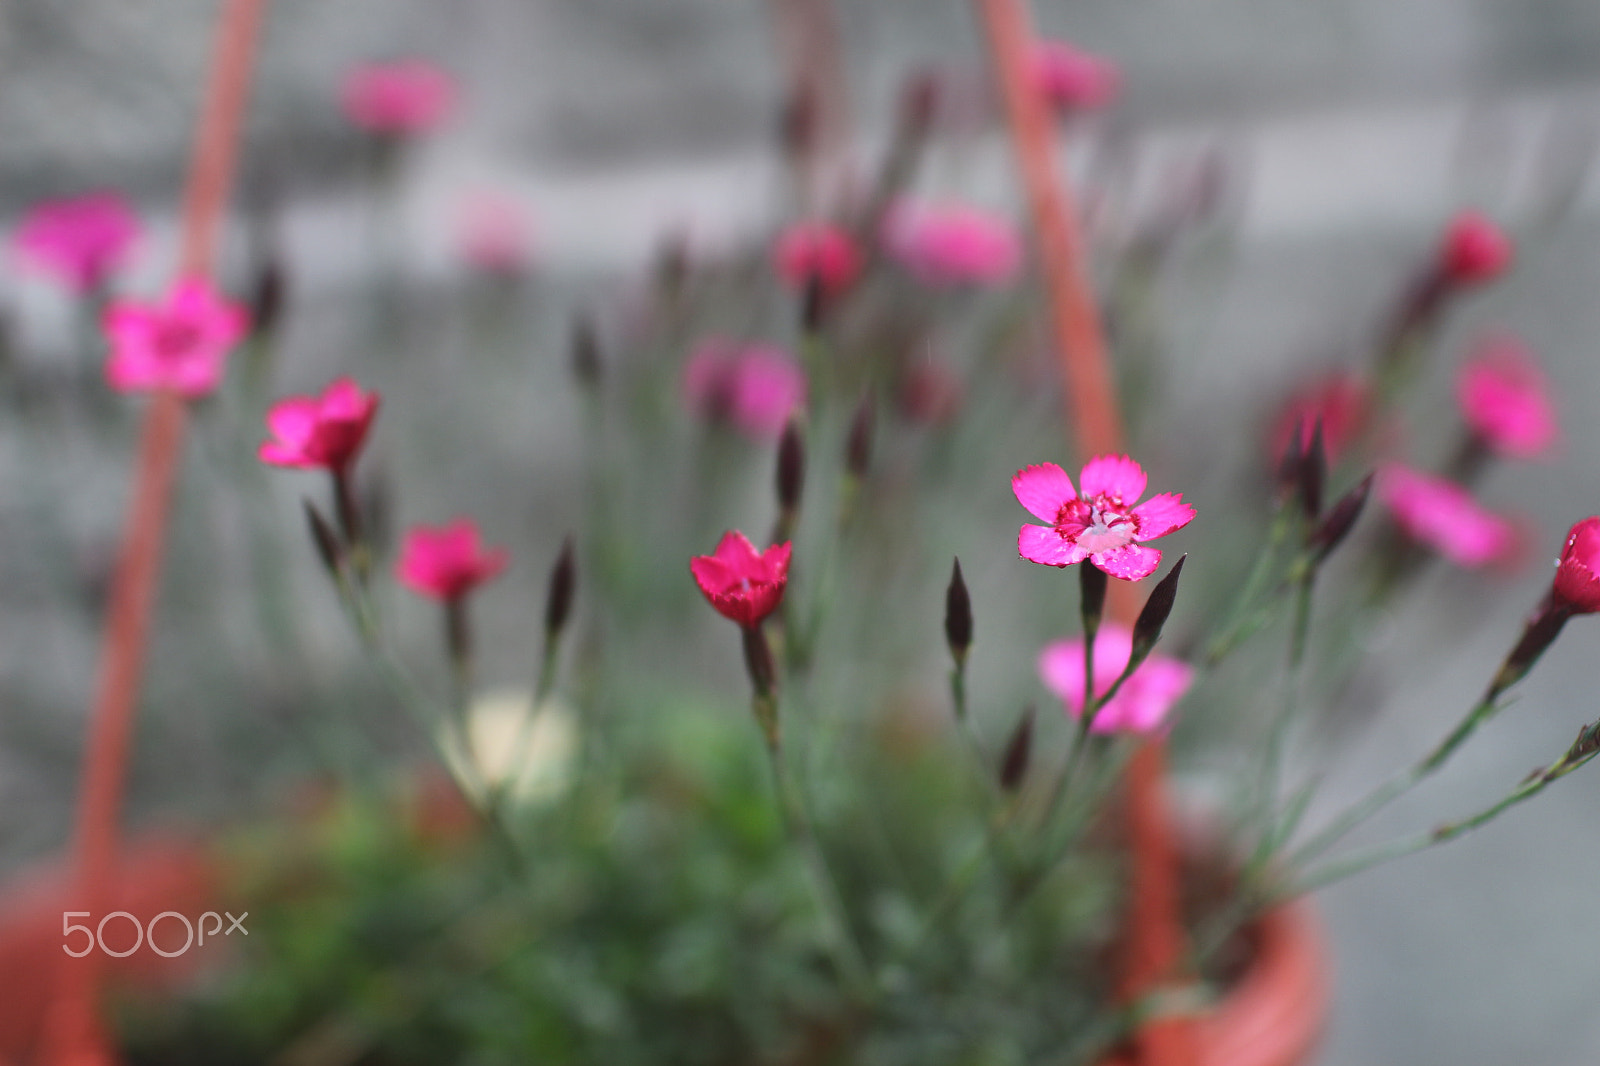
(78, 240)
(1072, 79)
(1143, 702)
(1444, 516)
(1577, 583)
(1103, 525)
(817, 249)
(931, 393)
(406, 96)
(447, 562)
(320, 431)
(742, 584)
(1505, 399)
(179, 343)
(953, 244)
(1340, 400)
(496, 234)
(1474, 250)
(756, 387)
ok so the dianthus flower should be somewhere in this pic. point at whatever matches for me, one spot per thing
(407, 96)
(78, 240)
(447, 562)
(1141, 705)
(1474, 250)
(742, 584)
(817, 250)
(179, 343)
(324, 431)
(1072, 79)
(1505, 399)
(1339, 401)
(1102, 524)
(1444, 515)
(756, 387)
(1577, 583)
(954, 244)
(495, 234)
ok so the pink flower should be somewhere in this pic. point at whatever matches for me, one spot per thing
(953, 244)
(1505, 399)
(496, 235)
(818, 250)
(1474, 250)
(1072, 79)
(931, 393)
(1103, 525)
(1340, 400)
(1444, 516)
(1577, 583)
(407, 96)
(179, 343)
(447, 562)
(1142, 703)
(757, 387)
(80, 240)
(320, 431)
(741, 583)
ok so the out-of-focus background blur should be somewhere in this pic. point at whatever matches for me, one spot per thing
(1347, 132)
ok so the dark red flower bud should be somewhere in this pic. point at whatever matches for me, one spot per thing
(559, 592)
(1014, 766)
(957, 615)
(1475, 250)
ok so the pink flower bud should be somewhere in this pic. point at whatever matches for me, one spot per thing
(408, 96)
(953, 244)
(1505, 399)
(180, 343)
(320, 431)
(1143, 702)
(1444, 516)
(820, 251)
(447, 562)
(80, 240)
(742, 584)
(1577, 583)
(1475, 250)
(1072, 79)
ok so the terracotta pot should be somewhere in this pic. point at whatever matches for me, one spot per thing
(1275, 1014)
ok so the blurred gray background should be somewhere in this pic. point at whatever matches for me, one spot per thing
(1352, 128)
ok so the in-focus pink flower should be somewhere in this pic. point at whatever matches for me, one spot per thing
(1142, 703)
(1444, 516)
(496, 235)
(818, 250)
(80, 240)
(742, 584)
(407, 96)
(1505, 399)
(324, 431)
(1339, 400)
(1102, 525)
(756, 387)
(1475, 250)
(179, 343)
(447, 562)
(1072, 79)
(953, 244)
(1577, 583)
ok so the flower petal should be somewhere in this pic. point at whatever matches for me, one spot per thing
(735, 550)
(1160, 515)
(1042, 489)
(1116, 476)
(1130, 562)
(1042, 544)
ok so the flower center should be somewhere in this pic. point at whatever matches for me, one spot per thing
(175, 339)
(1097, 525)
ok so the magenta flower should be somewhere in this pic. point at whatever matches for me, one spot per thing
(1141, 705)
(953, 244)
(495, 235)
(1444, 516)
(1339, 401)
(1475, 250)
(1577, 584)
(742, 584)
(756, 387)
(447, 562)
(179, 343)
(1102, 525)
(818, 250)
(1072, 79)
(1505, 399)
(404, 97)
(324, 431)
(80, 240)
